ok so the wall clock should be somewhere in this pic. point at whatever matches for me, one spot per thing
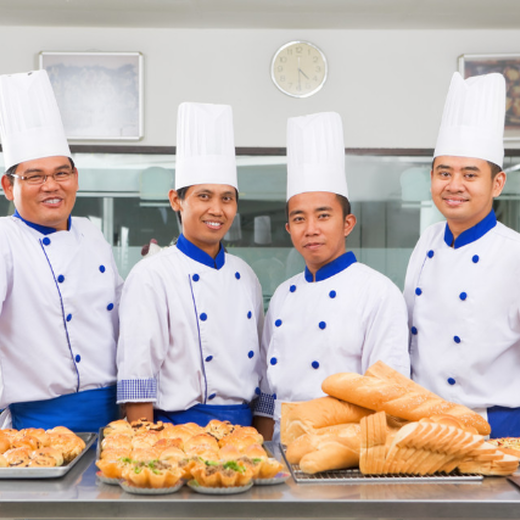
(299, 69)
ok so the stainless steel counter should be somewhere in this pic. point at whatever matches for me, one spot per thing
(79, 495)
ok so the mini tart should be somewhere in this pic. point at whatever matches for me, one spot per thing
(228, 474)
(113, 468)
(152, 475)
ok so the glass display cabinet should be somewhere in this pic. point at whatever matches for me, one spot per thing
(126, 195)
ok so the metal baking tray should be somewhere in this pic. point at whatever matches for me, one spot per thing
(28, 473)
(354, 476)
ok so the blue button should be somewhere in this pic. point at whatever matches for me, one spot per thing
(315, 364)
(451, 381)
(78, 358)
(209, 358)
(196, 277)
(274, 397)
(463, 296)
(203, 316)
(456, 339)
(414, 330)
(430, 253)
(475, 259)
(61, 278)
(102, 268)
(332, 294)
(237, 275)
(322, 325)
(250, 354)
(292, 288)
(46, 241)
(257, 391)
(212, 396)
(418, 291)
(110, 306)
(277, 323)
(249, 315)
(69, 317)
(273, 361)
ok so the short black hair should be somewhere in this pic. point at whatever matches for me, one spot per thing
(12, 170)
(181, 193)
(344, 202)
(495, 168)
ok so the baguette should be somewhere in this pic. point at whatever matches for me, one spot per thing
(384, 389)
(307, 417)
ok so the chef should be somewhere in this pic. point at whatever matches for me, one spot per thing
(191, 314)
(59, 285)
(463, 280)
(338, 315)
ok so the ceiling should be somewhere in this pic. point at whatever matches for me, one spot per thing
(274, 14)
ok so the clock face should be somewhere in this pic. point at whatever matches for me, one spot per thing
(299, 69)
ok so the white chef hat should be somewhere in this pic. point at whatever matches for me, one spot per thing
(316, 154)
(205, 145)
(473, 118)
(30, 121)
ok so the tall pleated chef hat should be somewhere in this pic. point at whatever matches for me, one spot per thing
(205, 145)
(473, 119)
(30, 120)
(316, 154)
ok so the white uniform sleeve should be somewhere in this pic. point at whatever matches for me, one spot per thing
(143, 335)
(386, 331)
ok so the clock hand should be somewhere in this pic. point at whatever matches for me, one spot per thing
(303, 73)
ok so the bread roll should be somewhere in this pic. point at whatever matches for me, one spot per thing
(384, 389)
(307, 417)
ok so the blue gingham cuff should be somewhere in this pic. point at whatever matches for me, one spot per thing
(136, 390)
(264, 405)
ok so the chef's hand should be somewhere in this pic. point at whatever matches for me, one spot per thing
(146, 248)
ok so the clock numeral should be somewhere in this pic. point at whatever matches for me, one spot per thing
(317, 68)
(315, 59)
(298, 50)
(283, 59)
(282, 78)
(279, 68)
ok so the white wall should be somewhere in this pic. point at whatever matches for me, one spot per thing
(389, 86)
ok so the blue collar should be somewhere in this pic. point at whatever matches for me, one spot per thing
(472, 234)
(197, 254)
(332, 268)
(45, 230)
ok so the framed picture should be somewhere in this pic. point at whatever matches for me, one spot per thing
(100, 94)
(509, 66)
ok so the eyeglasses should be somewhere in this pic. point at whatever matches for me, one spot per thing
(36, 179)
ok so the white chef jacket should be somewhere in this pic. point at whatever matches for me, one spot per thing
(59, 296)
(190, 328)
(464, 314)
(346, 320)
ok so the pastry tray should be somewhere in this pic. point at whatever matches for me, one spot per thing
(354, 476)
(56, 472)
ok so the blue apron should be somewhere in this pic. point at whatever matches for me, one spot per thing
(201, 414)
(86, 411)
(505, 422)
